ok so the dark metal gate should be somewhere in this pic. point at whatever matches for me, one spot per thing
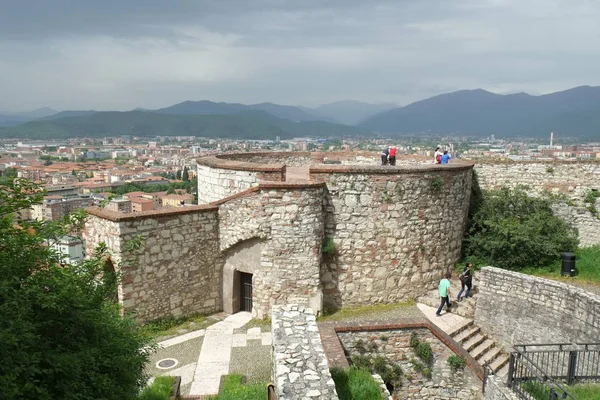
(246, 295)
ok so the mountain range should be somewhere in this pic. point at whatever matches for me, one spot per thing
(574, 112)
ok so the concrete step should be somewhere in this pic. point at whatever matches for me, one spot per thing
(483, 348)
(499, 362)
(474, 341)
(460, 328)
(503, 371)
(467, 334)
(490, 355)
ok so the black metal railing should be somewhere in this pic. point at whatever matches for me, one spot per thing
(542, 371)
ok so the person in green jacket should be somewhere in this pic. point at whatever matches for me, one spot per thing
(444, 289)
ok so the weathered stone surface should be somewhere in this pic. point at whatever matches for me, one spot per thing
(394, 345)
(496, 389)
(175, 272)
(301, 370)
(519, 309)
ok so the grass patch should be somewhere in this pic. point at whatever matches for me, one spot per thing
(587, 265)
(175, 326)
(355, 384)
(585, 391)
(159, 390)
(233, 389)
(264, 324)
(364, 311)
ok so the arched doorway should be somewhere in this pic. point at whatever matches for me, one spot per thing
(242, 263)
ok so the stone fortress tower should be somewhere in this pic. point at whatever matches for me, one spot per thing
(320, 229)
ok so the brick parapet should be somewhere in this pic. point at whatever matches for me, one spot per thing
(116, 216)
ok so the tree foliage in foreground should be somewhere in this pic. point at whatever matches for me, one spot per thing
(512, 230)
(60, 336)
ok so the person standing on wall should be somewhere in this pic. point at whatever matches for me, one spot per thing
(445, 157)
(466, 280)
(444, 289)
(393, 155)
(437, 157)
(384, 156)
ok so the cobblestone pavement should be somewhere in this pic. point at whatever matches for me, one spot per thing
(201, 357)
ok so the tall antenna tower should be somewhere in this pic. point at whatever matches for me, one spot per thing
(551, 138)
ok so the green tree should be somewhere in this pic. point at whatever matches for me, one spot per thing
(10, 172)
(60, 335)
(171, 190)
(186, 175)
(73, 173)
(512, 230)
(178, 175)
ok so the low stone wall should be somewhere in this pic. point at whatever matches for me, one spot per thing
(579, 217)
(177, 270)
(496, 389)
(301, 369)
(520, 309)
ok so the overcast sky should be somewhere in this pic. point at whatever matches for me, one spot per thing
(122, 54)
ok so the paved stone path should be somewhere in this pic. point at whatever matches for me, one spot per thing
(205, 355)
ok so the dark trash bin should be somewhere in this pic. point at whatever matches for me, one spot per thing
(568, 264)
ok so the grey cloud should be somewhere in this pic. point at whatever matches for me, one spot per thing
(129, 53)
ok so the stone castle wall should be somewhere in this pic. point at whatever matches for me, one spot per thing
(287, 219)
(521, 309)
(177, 269)
(569, 181)
(395, 231)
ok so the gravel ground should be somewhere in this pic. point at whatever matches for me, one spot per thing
(384, 315)
(254, 361)
(185, 353)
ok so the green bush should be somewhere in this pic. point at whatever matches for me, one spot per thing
(436, 184)
(159, 390)
(422, 349)
(421, 368)
(511, 230)
(328, 247)
(355, 384)
(61, 336)
(456, 362)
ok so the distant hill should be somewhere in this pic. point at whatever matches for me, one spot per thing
(351, 112)
(573, 112)
(252, 124)
(10, 118)
(65, 114)
(205, 107)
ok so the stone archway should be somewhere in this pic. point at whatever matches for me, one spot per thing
(241, 260)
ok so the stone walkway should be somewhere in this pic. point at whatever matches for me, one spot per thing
(447, 322)
(202, 357)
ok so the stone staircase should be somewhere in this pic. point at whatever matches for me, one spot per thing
(464, 308)
(480, 347)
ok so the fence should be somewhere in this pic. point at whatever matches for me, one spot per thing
(542, 371)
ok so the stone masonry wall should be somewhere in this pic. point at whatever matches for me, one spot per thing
(178, 268)
(519, 309)
(288, 219)
(395, 233)
(215, 184)
(567, 180)
(394, 345)
(496, 389)
(301, 369)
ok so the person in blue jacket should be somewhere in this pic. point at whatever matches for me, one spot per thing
(445, 157)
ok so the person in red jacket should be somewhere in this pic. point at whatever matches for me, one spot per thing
(393, 155)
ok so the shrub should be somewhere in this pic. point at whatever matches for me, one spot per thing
(61, 337)
(159, 390)
(233, 389)
(550, 170)
(422, 349)
(421, 368)
(436, 184)
(456, 362)
(360, 346)
(328, 247)
(512, 230)
(361, 361)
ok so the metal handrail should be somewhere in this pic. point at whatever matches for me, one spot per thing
(531, 367)
(271, 392)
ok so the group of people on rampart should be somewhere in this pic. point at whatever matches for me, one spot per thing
(388, 156)
(466, 282)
